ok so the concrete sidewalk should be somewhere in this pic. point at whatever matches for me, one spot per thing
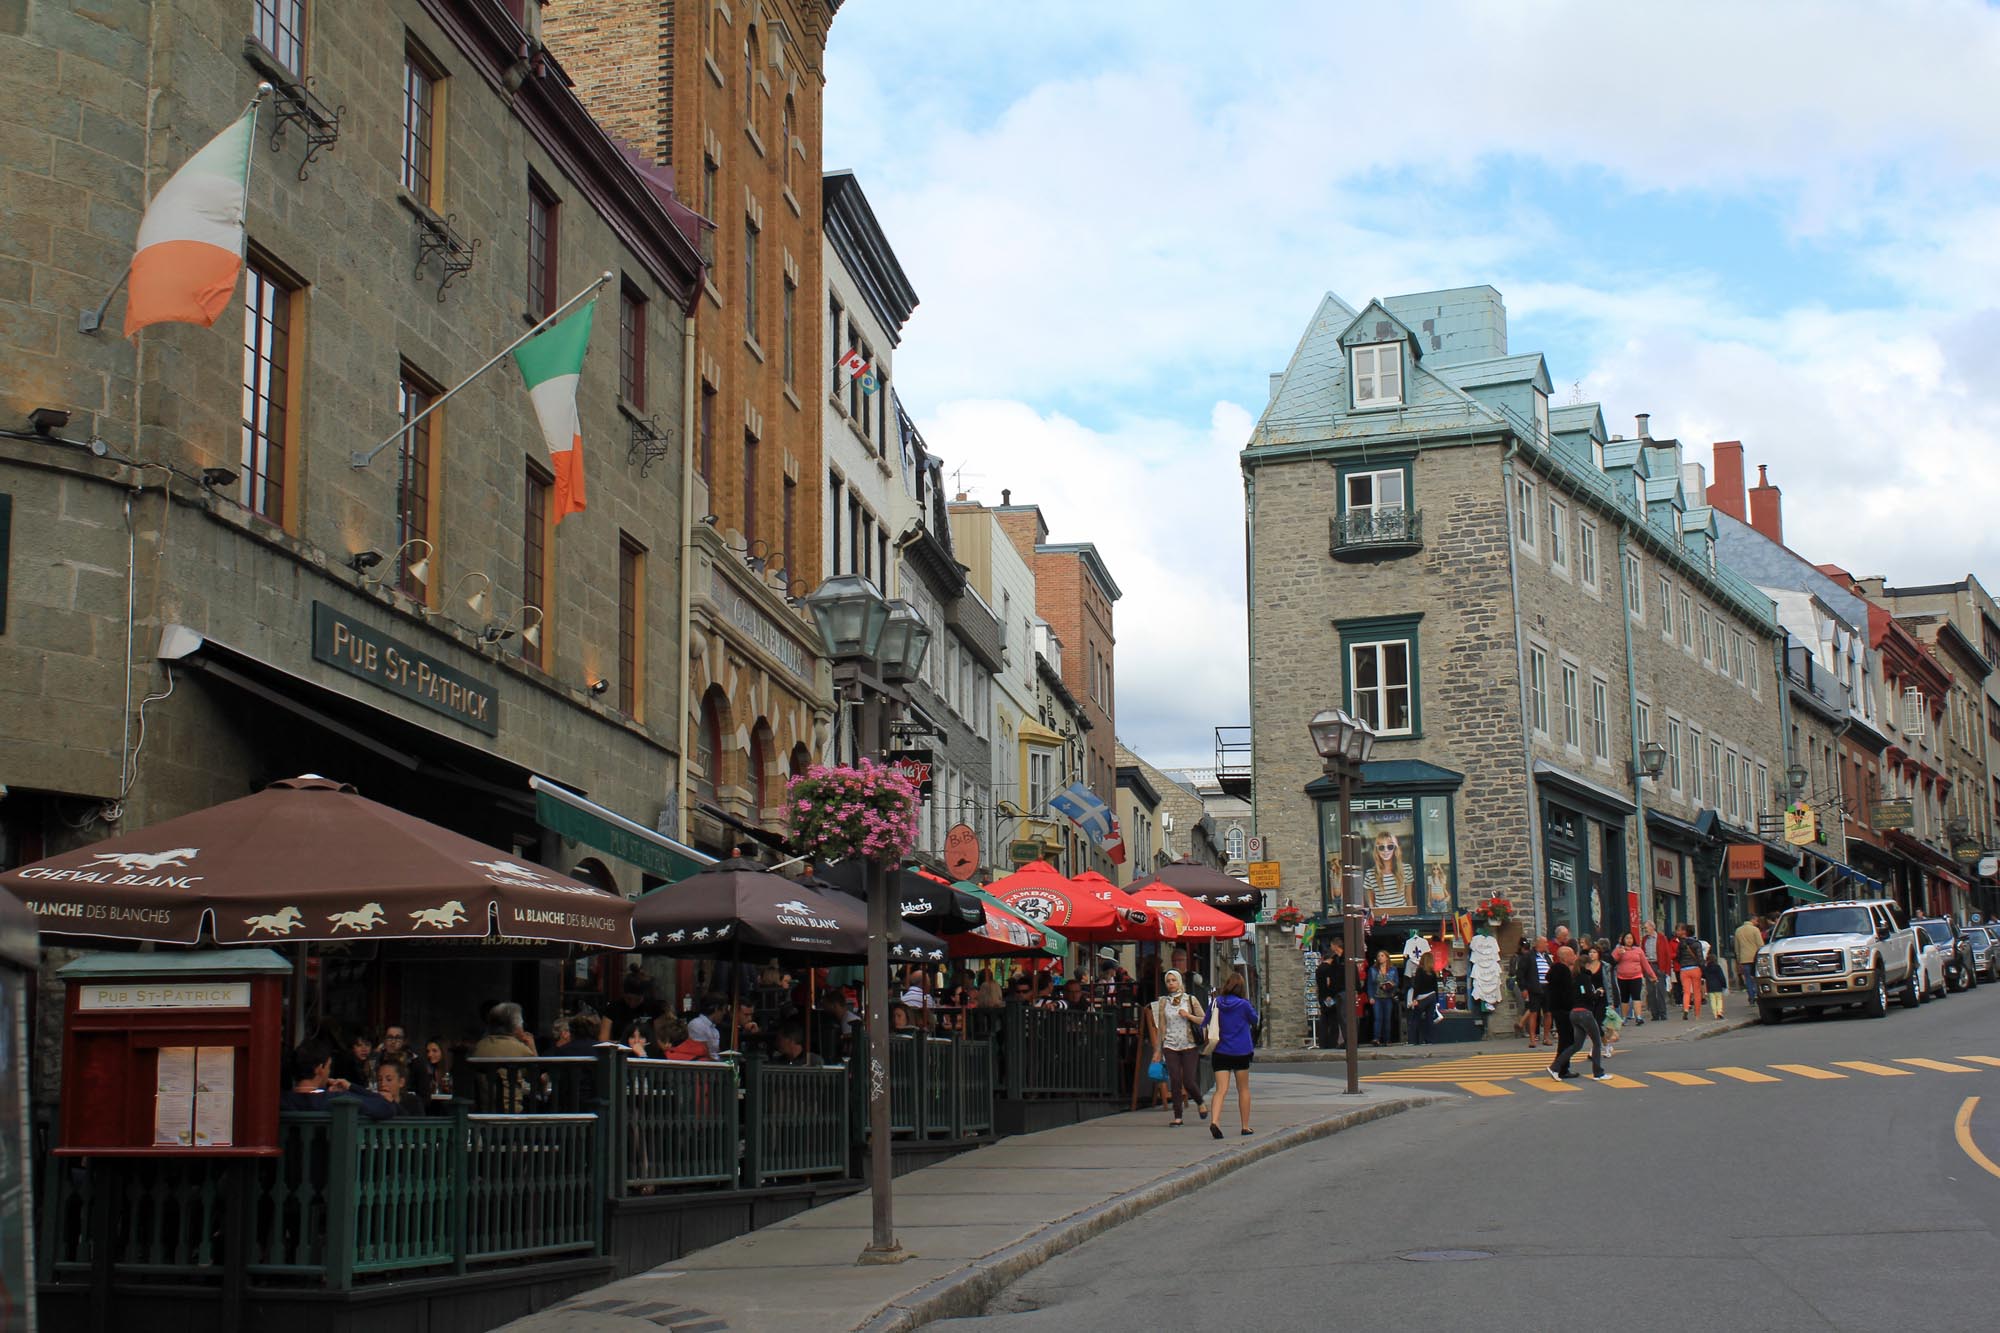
(1742, 1013)
(971, 1224)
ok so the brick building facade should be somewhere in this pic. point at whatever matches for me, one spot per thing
(726, 96)
(1518, 602)
(195, 561)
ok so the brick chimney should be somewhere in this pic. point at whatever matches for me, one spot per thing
(1767, 511)
(1727, 492)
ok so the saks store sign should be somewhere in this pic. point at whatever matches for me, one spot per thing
(375, 657)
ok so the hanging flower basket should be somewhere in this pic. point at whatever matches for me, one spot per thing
(1289, 916)
(867, 811)
(1496, 912)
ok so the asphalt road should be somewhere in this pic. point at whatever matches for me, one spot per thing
(1750, 1181)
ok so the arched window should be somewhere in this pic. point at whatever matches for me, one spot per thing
(801, 759)
(760, 766)
(750, 80)
(708, 746)
(785, 142)
(1234, 843)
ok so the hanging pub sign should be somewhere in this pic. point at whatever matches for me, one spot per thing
(1967, 852)
(1801, 824)
(1746, 861)
(961, 851)
(915, 767)
(1900, 812)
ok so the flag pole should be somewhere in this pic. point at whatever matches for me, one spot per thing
(91, 321)
(361, 458)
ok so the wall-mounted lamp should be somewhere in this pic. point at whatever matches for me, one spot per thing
(48, 420)
(1652, 760)
(479, 601)
(600, 685)
(507, 629)
(215, 478)
(711, 519)
(1798, 777)
(363, 561)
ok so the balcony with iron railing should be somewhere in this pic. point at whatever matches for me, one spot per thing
(1371, 534)
(1233, 761)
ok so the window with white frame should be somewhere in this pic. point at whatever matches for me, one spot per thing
(1597, 452)
(1674, 753)
(1041, 779)
(1380, 685)
(1707, 638)
(1558, 530)
(1538, 689)
(1736, 656)
(1695, 787)
(1572, 722)
(1376, 493)
(1541, 416)
(1524, 513)
(1687, 622)
(1712, 774)
(1635, 588)
(1586, 553)
(1751, 805)
(1763, 790)
(1729, 783)
(1233, 843)
(1600, 720)
(1378, 375)
(1665, 596)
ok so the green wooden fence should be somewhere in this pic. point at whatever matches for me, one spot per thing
(1060, 1052)
(530, 1186)
(676, 1126)
(797, 1123)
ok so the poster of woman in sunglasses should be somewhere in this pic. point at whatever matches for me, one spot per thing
(1402, 873)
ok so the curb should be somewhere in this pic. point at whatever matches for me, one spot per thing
(966, 1292)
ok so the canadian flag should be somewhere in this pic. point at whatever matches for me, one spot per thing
(852, 362)
(1114, 845)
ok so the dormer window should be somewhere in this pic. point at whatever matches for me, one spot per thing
(1597, 452)
(1541, 417)
(1377, 375)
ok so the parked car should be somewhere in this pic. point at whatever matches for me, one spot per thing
(1933, 954)
(1960, 973)
(1838, 954)
(1985, 953)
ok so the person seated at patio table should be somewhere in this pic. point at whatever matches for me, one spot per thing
(438, 1057)
(506, 1037)
(671, 1036)
(1073, 995)
(396, 1042)
(834, 1027)
(392, 1085)
(353, 1055)
(638, 1040)
(637, 998)
(788, 1047)
(582, 1040)
(1021, 989)
(749, 1033)
(314, 1087)
(706, 1026)
(899, 1017)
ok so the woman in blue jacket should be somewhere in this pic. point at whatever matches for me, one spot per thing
(1234, 1017)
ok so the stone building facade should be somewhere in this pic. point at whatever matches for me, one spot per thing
(1519, 602)
(203, 587)
(724, 97)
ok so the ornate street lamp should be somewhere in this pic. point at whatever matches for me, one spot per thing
(1798, 777)
(1652, 760)
(905, 638)
(851, 616)
(1344, 743)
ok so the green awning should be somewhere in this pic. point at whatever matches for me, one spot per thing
(1795, 886)
(563, 811)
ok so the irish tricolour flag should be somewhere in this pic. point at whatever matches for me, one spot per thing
(191, 239)
(551, 363)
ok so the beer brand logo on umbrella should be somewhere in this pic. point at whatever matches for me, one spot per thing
(147, 861)
(796, 913)
(916, 906)
(1037, 907)
(281, 922)
(440, 918)
(362, 918)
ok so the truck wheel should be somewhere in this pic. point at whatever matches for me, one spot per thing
(1877, 1003)
(1913, 994)
(1770, 1015)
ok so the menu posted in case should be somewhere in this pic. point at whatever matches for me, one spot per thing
(173, 1098)
(215, 1096)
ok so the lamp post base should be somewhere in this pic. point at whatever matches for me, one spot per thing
(892, 1253)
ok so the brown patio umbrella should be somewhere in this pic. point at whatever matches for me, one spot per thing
(1204, 884)
(309, 859)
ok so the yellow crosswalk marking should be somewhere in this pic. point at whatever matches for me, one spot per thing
(1480, 1089)
(1807, 1071)
(1942, 1066)
(1868, 1067)
(1547, 1084)
(1982, 1060)
(1685, 1080)
(1742, 1075)
(1620, 1081)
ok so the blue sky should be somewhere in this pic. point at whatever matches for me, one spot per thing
(1778, 223)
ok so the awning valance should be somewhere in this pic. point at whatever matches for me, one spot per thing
(1797, 887)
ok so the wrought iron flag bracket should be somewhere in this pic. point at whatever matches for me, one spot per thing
(439, 238)
(649, 442)
(297, 104)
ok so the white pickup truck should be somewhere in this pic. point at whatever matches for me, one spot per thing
(1828, 955)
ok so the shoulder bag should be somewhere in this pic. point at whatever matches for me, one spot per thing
(1211, 1030)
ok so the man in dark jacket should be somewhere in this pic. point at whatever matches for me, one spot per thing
(1562, 996)
(1330, 984)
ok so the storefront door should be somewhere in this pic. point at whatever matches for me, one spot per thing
(1564, 869)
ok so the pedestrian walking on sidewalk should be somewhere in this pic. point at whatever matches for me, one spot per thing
(1566, 988)
(1382, 981)
(1330, 981)
(1714, 981)
(1176, 1018)
(1234, 1049)
(1689, 952)
(1595, 984)
(1749, 939)
(1560, 996)
(1634, 970)
(1651, 942)
(1423, 992)
(1533, 978)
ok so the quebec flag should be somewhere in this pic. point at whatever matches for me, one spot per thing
(1081, 807)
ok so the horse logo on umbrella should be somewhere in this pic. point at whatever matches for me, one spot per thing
(440, 918)
(145, 862)
(281, 922)
(360, 919)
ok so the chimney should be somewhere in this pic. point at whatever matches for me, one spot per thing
(1645, 425)
(1006, 496)
(1767, 511)
(960, 498)
(1727, 493)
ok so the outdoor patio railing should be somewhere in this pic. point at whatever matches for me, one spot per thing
(679, 1125)
(797, 1123)
(530, 1186)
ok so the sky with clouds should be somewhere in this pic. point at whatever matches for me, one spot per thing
(1778, 223)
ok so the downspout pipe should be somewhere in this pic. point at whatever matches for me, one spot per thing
(1645, 845)
(683, 798)
(1535, 866)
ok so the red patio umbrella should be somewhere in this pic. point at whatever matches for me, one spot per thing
(1204, 884)
(1191, 918)
(309, 859)
(1039, 892)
